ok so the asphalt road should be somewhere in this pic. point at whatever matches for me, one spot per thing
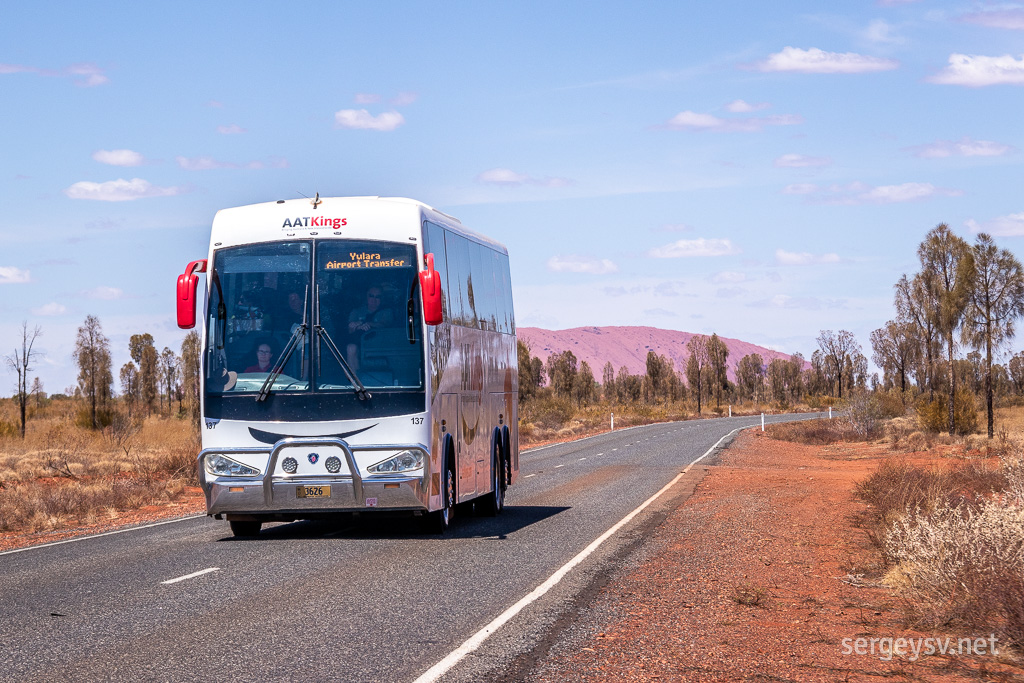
(369, 601)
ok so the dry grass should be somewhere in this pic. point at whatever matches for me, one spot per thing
(62, 474)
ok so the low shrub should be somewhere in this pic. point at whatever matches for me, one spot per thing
(934, 413)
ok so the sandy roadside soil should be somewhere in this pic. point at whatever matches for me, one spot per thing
(760, 576)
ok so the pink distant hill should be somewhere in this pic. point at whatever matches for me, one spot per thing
(629, 346)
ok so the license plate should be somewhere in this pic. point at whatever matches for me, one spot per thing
(312, 491)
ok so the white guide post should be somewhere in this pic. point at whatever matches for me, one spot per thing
(613, 422)
(730, 411)
(830, 412)
(762, 422)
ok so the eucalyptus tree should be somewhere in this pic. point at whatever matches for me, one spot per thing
(718, 357)
(996, 301)
(947, 264)
(916, 306)
(696, 364)
(92, 354)
(838, 349)
(895, 350)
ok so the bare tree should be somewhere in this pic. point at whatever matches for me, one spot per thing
(696, 364)
(947, 264)
(837, 350)
(996, 301)
(20, 361)
(92, 354)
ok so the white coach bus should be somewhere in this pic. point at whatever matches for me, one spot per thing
(359, 355)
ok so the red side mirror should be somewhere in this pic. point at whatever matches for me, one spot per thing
(187, 283)
(430, 285)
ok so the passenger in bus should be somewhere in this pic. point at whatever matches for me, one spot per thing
(364, 319)
(264, 357)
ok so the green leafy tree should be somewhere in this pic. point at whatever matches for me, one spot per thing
(947, 264)
(190, 372)
(143, 352)
(696, 366)
(92, 355)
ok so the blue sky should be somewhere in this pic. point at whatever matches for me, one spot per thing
(759, 170)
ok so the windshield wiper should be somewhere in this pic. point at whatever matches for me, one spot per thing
(360, 388)
(293, 341)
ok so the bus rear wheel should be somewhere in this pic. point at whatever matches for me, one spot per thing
(245, 529)
(494, 502)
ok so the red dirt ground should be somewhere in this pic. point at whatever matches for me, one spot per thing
(774, 523)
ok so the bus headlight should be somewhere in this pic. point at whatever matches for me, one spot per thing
(403, 462)
(221, 466)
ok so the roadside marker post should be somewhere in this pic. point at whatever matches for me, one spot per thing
(613, 422)
(762, 422)
(830, 412)
(730, 411)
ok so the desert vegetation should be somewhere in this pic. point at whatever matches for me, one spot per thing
(88, 454)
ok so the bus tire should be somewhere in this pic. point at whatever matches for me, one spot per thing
(438, 521)
(245, 529)
(494, 502)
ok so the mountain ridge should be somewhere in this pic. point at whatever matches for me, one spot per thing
(628, 346)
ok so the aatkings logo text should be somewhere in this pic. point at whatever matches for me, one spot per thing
(315, 222)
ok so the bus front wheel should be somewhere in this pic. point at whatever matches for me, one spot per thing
(438, 521)
(245, 529)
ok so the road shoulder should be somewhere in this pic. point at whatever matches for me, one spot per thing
(762, 574)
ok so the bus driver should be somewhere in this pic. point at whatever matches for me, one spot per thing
(363, 319)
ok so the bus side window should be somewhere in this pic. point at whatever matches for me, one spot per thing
(458, 274)
(510, 315)
(436, 245)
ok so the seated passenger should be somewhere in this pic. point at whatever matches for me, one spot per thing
(363, 319)
(264, 357)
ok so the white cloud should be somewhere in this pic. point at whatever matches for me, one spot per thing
(403, 99)
(367, 98)
(119, 190)
(965, 147)
(84, 74)
(792, 258)
(233, 129)
(977, 71)
(103, 292)
(50, 309)
(728, 277)
(202, 163)
(690, 120)
(581, 264)
(1003, 226)
(510, 178)
(816, 61)
(741, 107)
(118, 157)
(882, 32)
(360, 119)
(1001, 18)
(9, 275)
(801, 161)
(906, 192)
(697, 247)
(860, 193)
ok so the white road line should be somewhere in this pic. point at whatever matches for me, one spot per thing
(191, 576)
(106, 533)
(530, 475)
(581, 459)
(477, 639)
(562, 465)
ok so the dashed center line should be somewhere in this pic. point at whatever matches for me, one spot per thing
(191, 576)
(530, 475)
(557, 466)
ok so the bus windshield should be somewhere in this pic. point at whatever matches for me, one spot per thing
(333, 315)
